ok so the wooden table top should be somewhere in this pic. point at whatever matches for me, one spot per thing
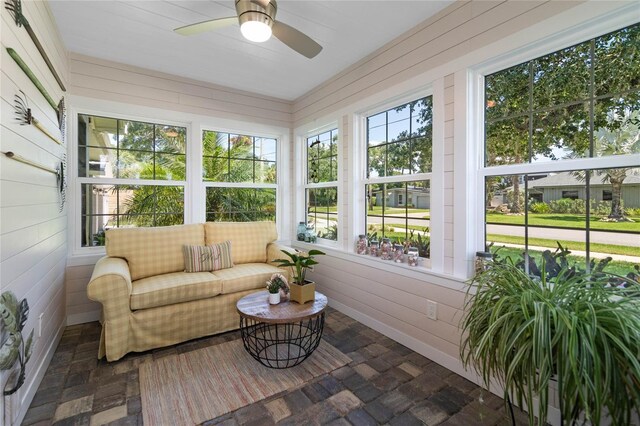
(256, 306)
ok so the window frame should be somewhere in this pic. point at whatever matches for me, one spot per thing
(249, 185)
(477, 171)
(194, 206)
(306, 185)
(435, 177)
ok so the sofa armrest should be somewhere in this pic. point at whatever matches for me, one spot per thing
(274, 251)
(110, 285)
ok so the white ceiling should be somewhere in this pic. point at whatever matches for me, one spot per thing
(140, 33)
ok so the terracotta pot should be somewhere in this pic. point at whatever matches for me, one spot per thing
(302, 293)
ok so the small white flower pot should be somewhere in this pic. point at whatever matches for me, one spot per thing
(274, 298)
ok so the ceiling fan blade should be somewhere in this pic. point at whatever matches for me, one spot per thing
(296, 40)
(204, 26)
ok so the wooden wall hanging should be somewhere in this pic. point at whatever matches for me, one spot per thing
(15, 8)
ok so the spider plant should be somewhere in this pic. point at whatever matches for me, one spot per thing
(576, 329)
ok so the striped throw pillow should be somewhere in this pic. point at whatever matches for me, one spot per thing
(207, 258)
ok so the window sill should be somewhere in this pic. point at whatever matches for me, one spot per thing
(420, 273)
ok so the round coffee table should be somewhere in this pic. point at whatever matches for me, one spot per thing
(282, 335)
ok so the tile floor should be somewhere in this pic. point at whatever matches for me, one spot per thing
(386, 383)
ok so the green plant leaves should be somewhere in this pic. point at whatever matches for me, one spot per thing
(573, 328)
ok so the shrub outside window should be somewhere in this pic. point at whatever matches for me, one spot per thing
(397, 188)
(240, 176)
(131, 173)
(321, 186)
(582, 104)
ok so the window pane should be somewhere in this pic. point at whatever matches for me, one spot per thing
(504, 215)
(617, 61)
(170, 139)
(97, 162)
(561, 133)
(135, 165)
(111, 206)
(322, 211)
(507, 92)
(400, 211)
(409, 129)
(266, 171)
(240, 146)
(398, 158)
(215, 169)
(170, 167)
(97, 131)
(617, 125)
(266, 149)
(240, 204)
(238, 158)
(562, 76)
(507, 141)
(135, 135)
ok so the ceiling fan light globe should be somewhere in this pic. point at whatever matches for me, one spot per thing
(256, 31)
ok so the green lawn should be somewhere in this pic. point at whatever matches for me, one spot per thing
(614, 267)
(377, 210)
(571, 245)
(565, 221)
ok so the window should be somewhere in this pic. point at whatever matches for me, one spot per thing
(131, 173)
(321, 188)
(399, 153)
(581, 104)
(240, 175)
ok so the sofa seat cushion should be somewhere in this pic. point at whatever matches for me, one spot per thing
(177, 287)
(246, 276)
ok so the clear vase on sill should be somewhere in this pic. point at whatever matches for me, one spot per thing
(361, 244)
(413, 257)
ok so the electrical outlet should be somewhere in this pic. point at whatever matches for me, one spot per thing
(40, 324)
(432, 310)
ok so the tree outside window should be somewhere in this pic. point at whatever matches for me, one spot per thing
(582, 102)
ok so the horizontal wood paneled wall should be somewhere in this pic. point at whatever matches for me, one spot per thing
(457, 30)
(100, 79)
(33, 230)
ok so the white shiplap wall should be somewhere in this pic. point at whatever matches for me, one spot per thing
(33, 234)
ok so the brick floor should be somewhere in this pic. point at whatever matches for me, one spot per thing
(386, 383)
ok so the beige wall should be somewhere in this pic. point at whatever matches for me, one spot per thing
(33, 230)
(110, 81)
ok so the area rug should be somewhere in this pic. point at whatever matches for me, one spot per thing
(206, 383)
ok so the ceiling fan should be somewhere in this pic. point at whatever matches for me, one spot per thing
(257, 20)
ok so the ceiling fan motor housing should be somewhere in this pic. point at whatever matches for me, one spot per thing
(251, 11)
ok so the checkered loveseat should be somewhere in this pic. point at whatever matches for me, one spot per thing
(149, 301)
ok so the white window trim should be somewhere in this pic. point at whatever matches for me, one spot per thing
(471, 94)
(434, 264)
(302, 185)
(194, 186)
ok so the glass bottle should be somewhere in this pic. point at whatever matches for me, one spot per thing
(398, 253)
(374, 248)
(302, 231)
(413, 256)
(483, 260)
(385, 249)
(310, 235)
(361, 244)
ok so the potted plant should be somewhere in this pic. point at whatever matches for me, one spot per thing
(574, 328)
(276, 286)
(301, 289)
